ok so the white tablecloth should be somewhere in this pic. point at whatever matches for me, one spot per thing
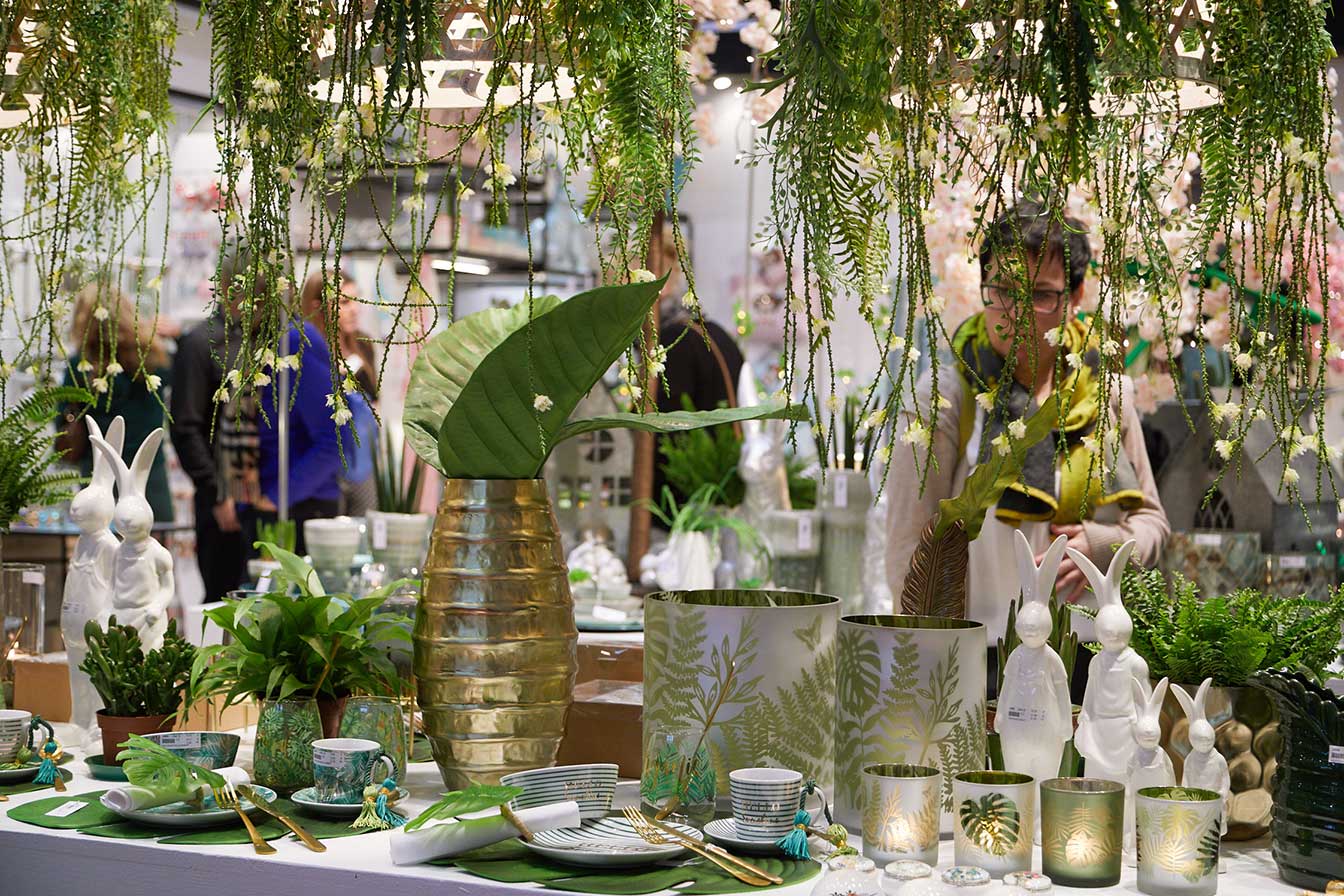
(36, 860)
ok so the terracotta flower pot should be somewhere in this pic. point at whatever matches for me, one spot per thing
(116, 729)
(331, 709)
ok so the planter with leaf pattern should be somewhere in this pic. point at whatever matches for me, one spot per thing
(283, 756)
(769, 656)
(995, 820)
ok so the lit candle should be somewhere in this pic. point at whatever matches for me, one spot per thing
(1082, 826)
(902, 805)
(1177, 830)
(994, 815)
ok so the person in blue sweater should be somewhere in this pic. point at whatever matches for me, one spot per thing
(316, 443)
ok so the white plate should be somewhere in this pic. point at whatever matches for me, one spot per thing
(307, 800)
(181, 815)
(723, 831)
(605, 843)
(21, 774)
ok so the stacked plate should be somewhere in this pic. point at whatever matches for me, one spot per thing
(608, 843)
(591, 786)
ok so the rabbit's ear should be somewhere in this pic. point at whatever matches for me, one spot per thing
(116, 433)
(1187, 703)
(1155, 699)
(1045, 577)
(144, 460)
(114, 461)
(103, 474)
(1140, 696)
(1094, 576)
(1202, 698)
(1026, 562)
(1117, 569)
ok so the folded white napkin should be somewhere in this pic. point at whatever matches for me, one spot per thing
(446, 839)
(132, 798)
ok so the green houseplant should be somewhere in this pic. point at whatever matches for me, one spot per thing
(489, 398)
(141, 692)
(306, 644)
(1187, 637)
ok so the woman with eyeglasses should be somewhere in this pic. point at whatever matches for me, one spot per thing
(1026, 344)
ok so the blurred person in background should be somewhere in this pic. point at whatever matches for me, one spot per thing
(217, 442)
(118, 358)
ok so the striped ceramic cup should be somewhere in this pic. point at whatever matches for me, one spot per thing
(764, 801)
(592, 786)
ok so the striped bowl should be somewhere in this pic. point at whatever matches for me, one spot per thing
(592, 786)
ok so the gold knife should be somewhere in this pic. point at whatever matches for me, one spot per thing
(265, 805)
(721, 852)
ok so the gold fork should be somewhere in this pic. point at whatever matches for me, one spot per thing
(227, 798)
(658, 836)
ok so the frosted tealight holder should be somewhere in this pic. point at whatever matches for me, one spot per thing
(994, 820)
(1082, 828)
(902, 806)
(1178, 831)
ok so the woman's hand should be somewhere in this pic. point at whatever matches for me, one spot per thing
(1070, 581)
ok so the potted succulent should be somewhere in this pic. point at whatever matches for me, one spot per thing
(489, 399)
(398, 533)
(1186, 638)
(141, 692)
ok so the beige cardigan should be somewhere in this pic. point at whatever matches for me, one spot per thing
(909, 511)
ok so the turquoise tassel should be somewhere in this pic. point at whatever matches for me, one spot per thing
(46, 772)
(384, 811)
(794, 843)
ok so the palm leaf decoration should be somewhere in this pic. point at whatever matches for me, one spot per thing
(148, 764)
(26, 455)
(660, 777)
(463, 802)
(936, 584)
(992, 823)
(702, 784)
(1206, 854)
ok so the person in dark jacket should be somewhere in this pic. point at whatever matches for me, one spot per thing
(216, 442)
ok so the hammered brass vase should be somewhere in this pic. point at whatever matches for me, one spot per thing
(494, 632)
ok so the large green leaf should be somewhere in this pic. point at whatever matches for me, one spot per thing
(493, 430)
(681, 421)
(463, 802)
(447, 361)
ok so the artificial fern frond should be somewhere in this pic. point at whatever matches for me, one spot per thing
(148, 764)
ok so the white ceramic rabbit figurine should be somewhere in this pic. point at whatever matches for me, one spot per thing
(88, 581)
(1034, 717)
(1150, 766)
(1204, 766)
(1104, 737)
(142, 578)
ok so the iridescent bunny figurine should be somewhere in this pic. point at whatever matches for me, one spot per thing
(142, 578)
(88, 581)
(1104, 737)
(1035, 718)
(1150, 766)
(1204, 767)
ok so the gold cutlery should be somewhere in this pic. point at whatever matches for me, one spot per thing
(720, 851)
(227, 798)
(266, 806)
(658, 834)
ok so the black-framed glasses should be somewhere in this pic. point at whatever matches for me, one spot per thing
(1045, 301)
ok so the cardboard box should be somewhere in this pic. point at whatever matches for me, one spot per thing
(605, 659)
(42, 687)
(605, 726)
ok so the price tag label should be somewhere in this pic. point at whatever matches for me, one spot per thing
(1022, 714)
(34, 577)
(1208, 539)
(181, 740)
(841, 491)
(1293, 561)
(66, 809)
(1336, 754)
(264, 583)
(378, 533)
(805, 533)
(72, 608)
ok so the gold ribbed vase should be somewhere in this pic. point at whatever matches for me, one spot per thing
(494, 632)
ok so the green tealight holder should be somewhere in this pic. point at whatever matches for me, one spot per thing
(1082, 828)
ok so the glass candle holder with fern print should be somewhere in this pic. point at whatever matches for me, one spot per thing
(1177, 833)
(379, 719)
(679, 781)
(902, 805)
(1082, 828)
(995, 820)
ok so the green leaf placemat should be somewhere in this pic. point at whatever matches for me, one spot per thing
(92, 815)
(516, 864)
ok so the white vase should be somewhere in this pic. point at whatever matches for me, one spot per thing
(332, 543)
(779, 706)
(845, 499)
(911, 690)
(794, 537)
(399, 541)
